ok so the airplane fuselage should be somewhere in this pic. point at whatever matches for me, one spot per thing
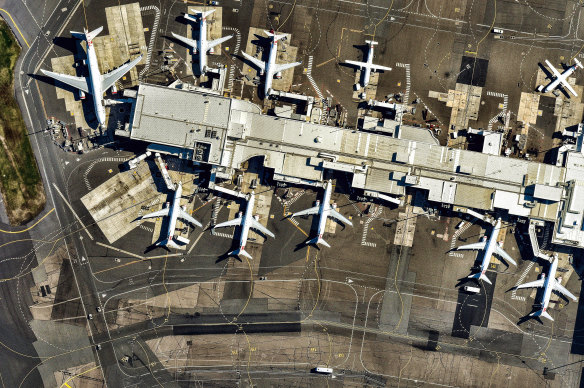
(324, 210)
(270, 67)
(547, 287)
(490, 247)
(367, 70)
(95, 82)
(173, 212)
(202, 42)
(562, 77)
(246, 222)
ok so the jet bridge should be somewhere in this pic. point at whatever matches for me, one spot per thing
(164, 170)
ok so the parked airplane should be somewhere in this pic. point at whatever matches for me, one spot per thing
(549, 283)
(247, 221)
(324, 210)
(202, 45)
(368, 66)
(490, 246)
(560, 80)
(271, 68)
(96, 83)
(174, 211)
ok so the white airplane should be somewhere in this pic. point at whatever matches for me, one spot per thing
(202, 45)
(550, 284)
(324, 210)
(560, 80)
(174, 211)
(368, 66)
(271, 68)
(247, 221)
(96, 83)
(490, 246)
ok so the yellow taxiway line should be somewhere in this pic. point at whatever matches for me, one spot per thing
(17, 29)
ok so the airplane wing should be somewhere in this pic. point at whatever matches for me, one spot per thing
(260, 64)
(561, 289)
(215, 42)
(357, 63)
(185, 216)
(379, 68)
(256, 225)
(233, 222)
(189, 42)
(312, 210)
(160, 213)
(285, 66)
(499, 251)
(77, 82)
(534, 284)
(552, 68)
(472, 247)
(110, 78)
(566, 85)
(335, 214)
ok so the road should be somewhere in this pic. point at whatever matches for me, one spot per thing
(36, 40)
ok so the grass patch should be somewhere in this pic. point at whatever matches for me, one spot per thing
(20, 180)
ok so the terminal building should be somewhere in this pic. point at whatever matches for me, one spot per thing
(223, 132)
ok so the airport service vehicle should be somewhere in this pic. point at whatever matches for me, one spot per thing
(270, 68)
(247, 221)
(201, 46)
(324, 210)
(550, 284)
(96, 83)
(560, 81)
(490, 246)
(367, 67)
(474, 290)
(174, 211)
(322, 370)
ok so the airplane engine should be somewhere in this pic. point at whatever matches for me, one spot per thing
(114, 89)
(82, 94)
(211, 50)
(261, 72)
(357, 86)
(256, 217)
(278, 75)
(318, 202)
(167, 204)
(334, 205)
(240, 214)
(184, 208)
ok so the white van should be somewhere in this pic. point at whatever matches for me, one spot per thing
(473, 290)
(497, 31)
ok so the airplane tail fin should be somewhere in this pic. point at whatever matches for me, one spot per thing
(480, 275)
(85, 35)
(541, 313)
(276, 37)
(371, 42)
(203, 14)
(167, 243)
(317, 241)
(240, 252)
